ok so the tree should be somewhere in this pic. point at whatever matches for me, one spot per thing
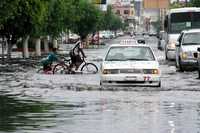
(86, 19)
(116, 23)
(57, 15)
(176, 5)
(27, 19)
(112, 21)
(195, 3)
(7, 9)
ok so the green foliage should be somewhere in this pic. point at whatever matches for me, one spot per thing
(176, 5)
(20, 18)
(86, 19)
(59, 18)
(116, 23)
(27, 18)
(195, 3)
(191, 3)
(7, 10)
(111, 21)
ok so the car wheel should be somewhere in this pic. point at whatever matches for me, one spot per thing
(166, 56)
(199, 74)
(176, 64)
(180, 65)
(159, 45)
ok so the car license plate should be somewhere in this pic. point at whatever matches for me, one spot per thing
(132, 78)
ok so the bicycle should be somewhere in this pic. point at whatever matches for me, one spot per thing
(65, 67)
(47, 71)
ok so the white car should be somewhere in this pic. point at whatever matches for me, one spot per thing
(187, 44)
(126, 65)
(170, 47)
(106, 35)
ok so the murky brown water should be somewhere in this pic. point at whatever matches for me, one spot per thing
(32, 103)
(101, 112)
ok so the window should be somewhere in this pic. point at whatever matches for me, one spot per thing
(191, 39)
(118, 12)
(130, 53)
(126, 11)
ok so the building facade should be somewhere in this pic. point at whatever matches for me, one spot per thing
(155, 11)
(125, 10)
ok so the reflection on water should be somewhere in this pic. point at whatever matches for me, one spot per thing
(101, 112)
(16, 114)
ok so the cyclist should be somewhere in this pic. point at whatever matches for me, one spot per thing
(77, 55)
(47, 62)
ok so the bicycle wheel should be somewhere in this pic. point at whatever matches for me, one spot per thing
(89, 68)
(60, 69)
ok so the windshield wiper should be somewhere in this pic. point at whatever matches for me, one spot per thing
(136, 59)
(114, 60)
(190, 43)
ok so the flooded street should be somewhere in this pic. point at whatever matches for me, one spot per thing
(38, 103)
(64, 111)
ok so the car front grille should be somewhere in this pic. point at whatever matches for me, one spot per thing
(130, 71)
(129, 82)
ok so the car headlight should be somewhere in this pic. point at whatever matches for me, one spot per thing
(151, 71)
(184, 55)
(171, 45)
(155, 71)
(106, 71)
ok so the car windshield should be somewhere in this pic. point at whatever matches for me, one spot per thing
(130, 53)
(191, 39)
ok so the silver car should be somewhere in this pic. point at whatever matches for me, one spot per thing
(186, 46)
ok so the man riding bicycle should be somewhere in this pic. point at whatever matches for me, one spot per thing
(77, 55)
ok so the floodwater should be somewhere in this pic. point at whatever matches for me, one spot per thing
(36, 103)
(67, 111)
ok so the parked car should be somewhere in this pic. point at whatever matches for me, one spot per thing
(141, 40)
(129, 65)
(170, 47)
(106, 35)
(186, 46)
(153, 33)
(73, 38)
(119, 33)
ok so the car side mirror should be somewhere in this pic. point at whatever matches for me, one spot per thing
(177, 44)
(141, 41)
(198, 49)
(195, 55)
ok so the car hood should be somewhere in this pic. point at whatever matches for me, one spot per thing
(130, 64)
(187, 48)
(173, 37)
